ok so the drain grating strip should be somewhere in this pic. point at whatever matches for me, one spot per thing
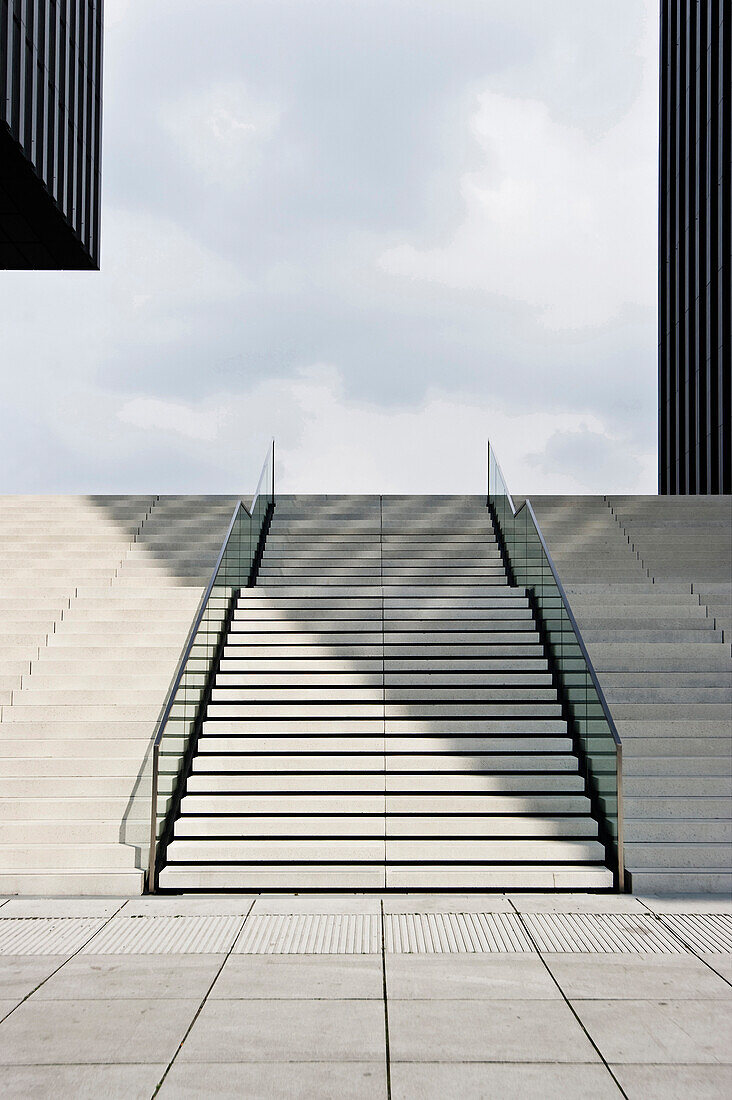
(453, 933)
(311, 934)
(601, 933)
(207, 935)
(709, 933)
(45, 935)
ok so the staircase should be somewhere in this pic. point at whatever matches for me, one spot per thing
(96, 600)
(649, 583)
(383, 716)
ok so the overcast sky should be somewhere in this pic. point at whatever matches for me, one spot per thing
(380, 230)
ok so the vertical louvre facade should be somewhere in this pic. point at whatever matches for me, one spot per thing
(694, 248)
(50, 133)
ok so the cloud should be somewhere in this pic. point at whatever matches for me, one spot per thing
(221, 131)
(169, 416)
(554, 217)
(260, 163)
(328, 442)
(583, 456)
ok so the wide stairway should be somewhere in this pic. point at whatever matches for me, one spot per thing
(384, 716)
(649, 582)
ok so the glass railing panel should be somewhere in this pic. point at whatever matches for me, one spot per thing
(530, 567)
(175, 737)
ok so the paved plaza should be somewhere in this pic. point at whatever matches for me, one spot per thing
(410, 996)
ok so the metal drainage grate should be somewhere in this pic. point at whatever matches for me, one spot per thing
(599, 933)
(709, 933)
(311, 934)
(45, 935)
(452, 933)
(207, 935)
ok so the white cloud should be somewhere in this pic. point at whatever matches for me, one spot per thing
(220, 130)
(257, 161)
(554, 217)
(116, 12)
(170, 416)
(327, 442)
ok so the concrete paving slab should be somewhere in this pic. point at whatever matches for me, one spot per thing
(276, 1081)
(575, 903)
(435, 1081)
(158, 905)
(165, 935)
(636, 977)
(659, 1082)
(61, 907)
(7, 1005)
(109, 1031)
(318, 903)
(132, 977)
(468, 977)
(47, 935)
(286, 1031)
(486, 1031)
(295, 977)
(21, 974)
(709, 903)
(721, 963)
(447, 903)
(686, 1032)
(84, 1082)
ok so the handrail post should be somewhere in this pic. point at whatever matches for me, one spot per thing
(152, 853)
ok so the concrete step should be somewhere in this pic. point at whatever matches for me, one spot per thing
(378, 825)
(77, 857)
(349, 850)
(678, 807)
(683, 830)
(243, 764)
(624, 633)
(688, 766)
(68, 751)
(406, 641)
(356, 803)
(338, 710)
(48, 812)
(693, 857)
(398, 670)
(209, 743)
(432, 783)
(352, 877)
(680, 881)
(395, 654)
(51, 882)
(350, 679)
(417, 694)
(65, 696)
(377, 724)
(92, 767)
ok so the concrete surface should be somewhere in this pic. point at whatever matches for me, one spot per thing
(523, 1024)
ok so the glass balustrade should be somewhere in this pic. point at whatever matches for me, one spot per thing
(530, 566)
(159, 786)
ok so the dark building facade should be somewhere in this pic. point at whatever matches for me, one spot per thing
(50, 133)
(695, 429)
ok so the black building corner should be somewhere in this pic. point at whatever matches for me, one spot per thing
(50, 133)
(695, 368)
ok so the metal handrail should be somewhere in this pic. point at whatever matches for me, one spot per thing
(185, 654)
(583, 649)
